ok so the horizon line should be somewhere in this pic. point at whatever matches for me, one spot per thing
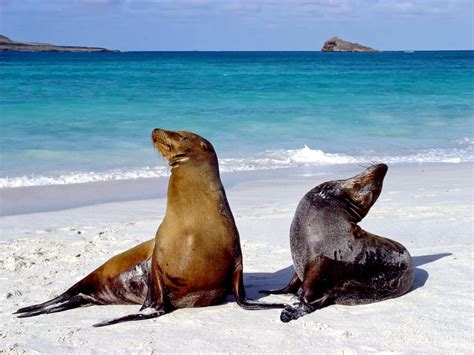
(238, 51)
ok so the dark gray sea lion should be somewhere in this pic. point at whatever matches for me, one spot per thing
(336, 261)
(197, 258)
(121, 280)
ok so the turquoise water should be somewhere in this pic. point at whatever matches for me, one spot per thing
(80, 117)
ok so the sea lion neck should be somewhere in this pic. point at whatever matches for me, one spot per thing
(356, 214)
(193, 162)
(193, 167)
(332, 196)
(192, 184)
(362, 191)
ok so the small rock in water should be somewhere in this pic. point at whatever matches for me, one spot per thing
(336, 44)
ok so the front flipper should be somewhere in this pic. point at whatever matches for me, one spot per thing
(295, 311)
(302, 307)
(292, 287)
(155, 304)
(314, 293)
(146, 313)
(238, 290)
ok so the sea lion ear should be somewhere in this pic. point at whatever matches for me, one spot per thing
(204, 145)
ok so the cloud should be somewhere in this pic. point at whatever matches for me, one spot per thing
(239, 6)
(99, 2)
(290, 7)
(55, 6)
(275, 9)
(424, 7)
(303, 8)
(171, 8)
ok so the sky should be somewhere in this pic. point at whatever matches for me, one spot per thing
(240, 24)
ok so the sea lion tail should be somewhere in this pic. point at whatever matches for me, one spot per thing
(146, 313)
(238, 291)
(247, 304)
(68, 300)
(282, 291)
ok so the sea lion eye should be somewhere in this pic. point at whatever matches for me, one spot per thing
(183, 139)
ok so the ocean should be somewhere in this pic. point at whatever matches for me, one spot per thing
(80, 117)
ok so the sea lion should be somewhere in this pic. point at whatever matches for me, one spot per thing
(336, 261)
(120, 280)
(197, 258)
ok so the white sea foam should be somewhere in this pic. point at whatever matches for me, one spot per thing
(83, 177)
(465, 141)
(267, 160)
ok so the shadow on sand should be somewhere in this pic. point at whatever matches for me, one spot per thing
(255, 281)
(421, 275)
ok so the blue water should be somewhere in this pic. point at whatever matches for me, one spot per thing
(79, 117)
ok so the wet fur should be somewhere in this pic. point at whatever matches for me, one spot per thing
(336, 261)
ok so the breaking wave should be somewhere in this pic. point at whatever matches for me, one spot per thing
(272, 159)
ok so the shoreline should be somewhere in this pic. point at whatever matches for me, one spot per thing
(48, 198)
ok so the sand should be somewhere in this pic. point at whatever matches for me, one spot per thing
(426, 207)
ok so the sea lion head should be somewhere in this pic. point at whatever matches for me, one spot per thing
(361, 191)
(181, 147)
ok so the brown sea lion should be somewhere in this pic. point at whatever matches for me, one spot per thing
(197, 259)
(336, 261)
(123, 279)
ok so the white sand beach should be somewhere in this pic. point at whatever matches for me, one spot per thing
(426, 207)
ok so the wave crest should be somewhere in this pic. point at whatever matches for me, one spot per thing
(271, 159)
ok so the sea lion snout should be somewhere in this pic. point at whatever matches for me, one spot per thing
(373, 174)
(378, 171)
(158, 135)
(364, 188)
(181, 146)
(162, 142)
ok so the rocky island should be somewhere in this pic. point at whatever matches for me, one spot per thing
(336, 44)
(8, 45)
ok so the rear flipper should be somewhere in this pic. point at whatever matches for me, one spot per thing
(58, 304)
(240, 297)
(146, 313)
(292, 287)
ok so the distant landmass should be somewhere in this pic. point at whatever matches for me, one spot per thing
(336, 44)
(8, 45)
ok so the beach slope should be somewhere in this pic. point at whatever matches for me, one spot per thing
(426, 207)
